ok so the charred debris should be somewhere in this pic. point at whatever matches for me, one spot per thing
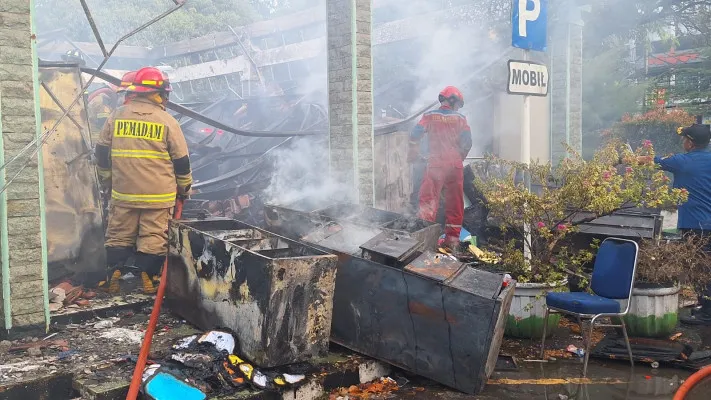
(233, 143)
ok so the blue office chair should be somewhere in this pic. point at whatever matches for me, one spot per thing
(612, 280)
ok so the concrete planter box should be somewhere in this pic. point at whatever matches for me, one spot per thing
(528, 309)
(653, 311)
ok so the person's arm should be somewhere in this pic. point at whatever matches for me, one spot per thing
(465, 139)
(103, 152)
(671, 164)
(416, 135)
(178, 150)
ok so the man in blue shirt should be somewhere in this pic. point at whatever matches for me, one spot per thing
(692, 171)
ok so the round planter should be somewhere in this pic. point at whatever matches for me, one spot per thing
(528, 307)
(654, 311)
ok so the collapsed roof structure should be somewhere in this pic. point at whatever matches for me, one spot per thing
(267, 81)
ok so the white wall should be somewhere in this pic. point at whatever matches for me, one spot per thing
(507, 127)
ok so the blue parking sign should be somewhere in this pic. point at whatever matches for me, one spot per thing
(529, 20)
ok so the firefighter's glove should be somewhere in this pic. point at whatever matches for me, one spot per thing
(104, 177)
(103, 164)
(184, 192)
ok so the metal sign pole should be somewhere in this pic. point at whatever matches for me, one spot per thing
(529, 32)
(526, 159)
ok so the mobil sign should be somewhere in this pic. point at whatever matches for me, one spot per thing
(527, 78)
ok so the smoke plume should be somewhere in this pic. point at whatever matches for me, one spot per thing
(301, 173)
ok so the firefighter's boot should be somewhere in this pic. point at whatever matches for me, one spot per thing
(148, 287)
(150, 267)
(116, 259)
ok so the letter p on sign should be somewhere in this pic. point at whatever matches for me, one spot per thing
(529, 24)
(525, 15)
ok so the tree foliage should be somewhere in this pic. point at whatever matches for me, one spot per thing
(608, 94)
(564, 197)
(658, 126)
(612, 86)
(636, 19)
(274, 8)
(115, 18)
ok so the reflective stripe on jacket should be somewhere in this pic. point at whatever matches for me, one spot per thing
(145, 150)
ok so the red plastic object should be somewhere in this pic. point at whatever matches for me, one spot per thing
(693, 380)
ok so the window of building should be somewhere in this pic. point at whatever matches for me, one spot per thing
(314, 31)
(281, 72)
(267, 73)
(292, 36)
(299, 69)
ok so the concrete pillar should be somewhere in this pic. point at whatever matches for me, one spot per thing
(566, 91)
(350, 96)
(23, 273)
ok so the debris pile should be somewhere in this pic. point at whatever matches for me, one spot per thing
(69, 296)
(94, 351)
(199, 365)
(384, 388)
(34, 346)
(653, 352)
(231, 207)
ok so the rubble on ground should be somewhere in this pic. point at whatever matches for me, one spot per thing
(66, 295)
(93, 349)
(384, 388)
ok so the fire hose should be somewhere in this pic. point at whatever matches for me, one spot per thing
(692, 381)
(153, 321)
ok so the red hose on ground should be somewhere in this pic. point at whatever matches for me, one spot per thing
(155, 313)
(694, 379)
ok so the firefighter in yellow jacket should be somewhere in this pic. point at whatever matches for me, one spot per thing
(143, 157)
(101, 104)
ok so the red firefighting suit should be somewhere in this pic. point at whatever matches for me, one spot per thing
(449, 140)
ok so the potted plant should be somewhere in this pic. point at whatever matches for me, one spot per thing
(536, 224)
(663, 267)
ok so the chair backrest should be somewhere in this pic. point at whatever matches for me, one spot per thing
(615, 267)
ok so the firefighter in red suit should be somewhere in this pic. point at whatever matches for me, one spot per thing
(448, 140)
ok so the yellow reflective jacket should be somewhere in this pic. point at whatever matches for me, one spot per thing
(98, 110)
(142, 151)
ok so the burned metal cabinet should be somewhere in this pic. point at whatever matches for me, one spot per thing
(427, 233)
(432, 316)
(75, 239)
(275, 294)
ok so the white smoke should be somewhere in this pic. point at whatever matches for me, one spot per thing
(301, 172)
(463, 47)
(460, 47)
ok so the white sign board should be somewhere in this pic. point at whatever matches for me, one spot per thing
(527, 78)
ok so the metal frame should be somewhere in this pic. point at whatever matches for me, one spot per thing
(593, 317)
(40, 140)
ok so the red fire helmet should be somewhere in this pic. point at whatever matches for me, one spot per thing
(453, 95)
(126, 81)
(149, 79)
